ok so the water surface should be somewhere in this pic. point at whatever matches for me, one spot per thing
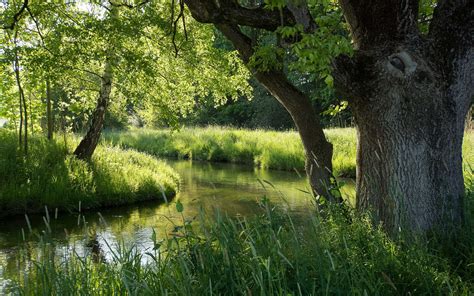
(205, 187)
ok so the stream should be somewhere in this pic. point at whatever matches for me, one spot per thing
(205, 187)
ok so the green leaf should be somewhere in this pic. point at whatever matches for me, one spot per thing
(329, 80)
(179, 207)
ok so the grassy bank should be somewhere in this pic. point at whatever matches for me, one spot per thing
(267, 255)
(51, 176)
(265, 149)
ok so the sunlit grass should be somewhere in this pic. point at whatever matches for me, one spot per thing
(51, 176)
(271, 254)
(265, 149)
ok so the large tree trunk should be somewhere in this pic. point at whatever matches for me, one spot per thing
(410, 96)
(88, 144)
(409, 161)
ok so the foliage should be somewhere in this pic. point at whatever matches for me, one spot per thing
(262, 112)
(67, 44)
(50, 176)
(315, 51)
(272, 254)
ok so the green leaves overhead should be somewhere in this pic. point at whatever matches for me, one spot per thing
(66, 42)
(315, 51)
(305, 55)
(267, 57)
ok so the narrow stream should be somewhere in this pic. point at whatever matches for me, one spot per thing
(229, 188)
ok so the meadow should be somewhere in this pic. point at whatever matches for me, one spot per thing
(50, 176)
(261, 148)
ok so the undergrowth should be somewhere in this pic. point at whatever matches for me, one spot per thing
(270, 254)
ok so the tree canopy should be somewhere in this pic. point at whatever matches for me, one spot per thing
(160, 72)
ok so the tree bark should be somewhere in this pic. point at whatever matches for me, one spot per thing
(409, 156)
(87, 146)
(410, 96)
(318, 151)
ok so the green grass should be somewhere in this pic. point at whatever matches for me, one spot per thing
(265, 149)
(51, 176)
(468, 151)
(271, 254)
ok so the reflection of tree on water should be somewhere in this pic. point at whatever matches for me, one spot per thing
(93, 244)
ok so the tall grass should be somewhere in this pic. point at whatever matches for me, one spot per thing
(264, 149)
(271, 254)
(50, 176)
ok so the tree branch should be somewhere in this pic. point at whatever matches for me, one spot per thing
(378, 22)
(452, 27)
(241, 42)
(174, 24)
(38, 30)
(17, 16)
(225, 12)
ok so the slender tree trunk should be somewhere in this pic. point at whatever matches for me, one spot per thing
(49, 115)
(318, 150)
(23, 107)
(227, 16)
(88, 144)
(20, 106)
(32, 127)
(14, 118)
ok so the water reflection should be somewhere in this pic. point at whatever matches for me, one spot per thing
(229, 188)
